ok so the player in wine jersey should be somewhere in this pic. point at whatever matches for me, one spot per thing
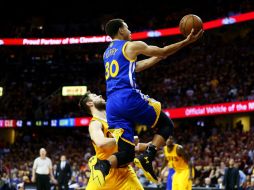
(105, 145)
(183, 176)
(126, 105)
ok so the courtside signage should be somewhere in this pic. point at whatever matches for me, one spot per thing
(176, 113)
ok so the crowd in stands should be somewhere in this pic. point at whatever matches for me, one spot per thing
(88, 19)
(216, 69)
(17, 159)
(209, 154)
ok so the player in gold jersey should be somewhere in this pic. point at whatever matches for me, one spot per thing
(183, 176)
(167, 165)
(105, 145)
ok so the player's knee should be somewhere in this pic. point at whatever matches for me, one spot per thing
(131, 155)
(165, 126)
(125, 157)
(165, 132)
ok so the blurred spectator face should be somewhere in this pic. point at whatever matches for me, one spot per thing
(80, 179)
(231, 162)
(197, 182)
(222, 165)
(26, 179)
(43, 153)
(87, 173)
(63, 158)
(236, 165)
(198, 168)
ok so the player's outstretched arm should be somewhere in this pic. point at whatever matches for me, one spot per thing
(133, 49)
(97, 136)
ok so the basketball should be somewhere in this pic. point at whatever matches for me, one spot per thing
(188, 22)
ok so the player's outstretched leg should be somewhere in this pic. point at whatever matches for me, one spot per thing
(164, 128)
(145, 162)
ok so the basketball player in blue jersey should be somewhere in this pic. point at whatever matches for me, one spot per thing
(126, 105)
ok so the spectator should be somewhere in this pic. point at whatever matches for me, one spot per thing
(242, 180)
(252, 178)
(219, 185)
(63, 173)
(207, 182)
(231, 178)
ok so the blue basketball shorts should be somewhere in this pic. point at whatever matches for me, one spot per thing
(129, 108)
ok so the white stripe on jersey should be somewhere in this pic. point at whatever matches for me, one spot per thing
(130, 75)
(132, 67)
(133, 70)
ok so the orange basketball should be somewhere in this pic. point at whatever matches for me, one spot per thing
(188, 22)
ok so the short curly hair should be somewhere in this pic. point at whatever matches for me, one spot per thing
(113, 26)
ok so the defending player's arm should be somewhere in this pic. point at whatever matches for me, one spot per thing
(163, 173)
(164, 166)
(180, 152)
(140, 147)
(97, 136)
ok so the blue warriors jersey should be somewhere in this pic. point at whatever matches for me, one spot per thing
(119, 69)
(126, 105)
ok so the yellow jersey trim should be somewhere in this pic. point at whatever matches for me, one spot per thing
(157, 108)
(128, 141)
(124, 54)
(99, 119)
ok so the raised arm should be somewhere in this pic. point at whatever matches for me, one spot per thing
(133, 49)
(97, 136)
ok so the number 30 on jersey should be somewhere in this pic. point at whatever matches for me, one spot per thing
(111, 69)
